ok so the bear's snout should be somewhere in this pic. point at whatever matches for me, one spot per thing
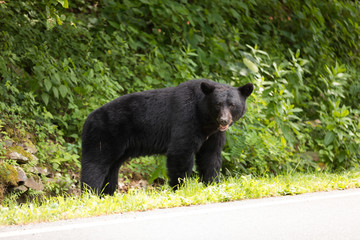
(224, 120)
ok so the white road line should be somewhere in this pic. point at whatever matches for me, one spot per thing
(205, 209)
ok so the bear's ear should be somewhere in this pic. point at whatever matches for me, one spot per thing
(246, 90)
(207, 88)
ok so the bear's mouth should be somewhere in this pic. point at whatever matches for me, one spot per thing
(224, 128)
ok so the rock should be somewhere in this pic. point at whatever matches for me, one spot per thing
(21, 188)
(58, 175)
(137, 176)
(33, 184)
(20, 145)
(139, 184)
(30, 147)
(9, 175)
(143, 183)
(21, 175)
(18, 157)
(121, 185)
(34, 157)
(9, 143)
(41, 171)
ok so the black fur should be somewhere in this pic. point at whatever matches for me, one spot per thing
(181, 122)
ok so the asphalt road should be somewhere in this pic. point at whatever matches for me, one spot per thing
(333, 215)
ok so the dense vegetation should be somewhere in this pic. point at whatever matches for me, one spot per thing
(60, 60)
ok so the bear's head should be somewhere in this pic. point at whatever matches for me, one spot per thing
(225, 104)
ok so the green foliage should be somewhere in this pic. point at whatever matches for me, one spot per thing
(277, 134)
(61, 59)
(340, 145)
(270, 139)
(62, 185)
(160, 171)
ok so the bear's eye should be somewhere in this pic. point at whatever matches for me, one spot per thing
(231, 106)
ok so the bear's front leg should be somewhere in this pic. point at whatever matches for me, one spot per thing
(180, 159)
(179, 166)
(208, 158)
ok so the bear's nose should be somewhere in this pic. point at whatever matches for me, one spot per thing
(224, 121)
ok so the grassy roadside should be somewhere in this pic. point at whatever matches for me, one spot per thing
(231, 189)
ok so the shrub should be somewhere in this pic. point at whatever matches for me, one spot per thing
(60, 60)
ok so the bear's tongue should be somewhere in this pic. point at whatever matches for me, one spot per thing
(223, 128)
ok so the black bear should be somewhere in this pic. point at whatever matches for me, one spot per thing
(182, 122)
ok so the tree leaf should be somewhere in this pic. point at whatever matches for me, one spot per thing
(296, 110)
(45, 98)
(63, 90)
(64, 3)
(58, 20)
(345, 113)
(56, 79)
(283, 141)
(286, 130)
(47, 84)
(56, 92)
(341, 156)
(329, 138)
(252, 66)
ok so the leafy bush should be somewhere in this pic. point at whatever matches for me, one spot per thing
(60, 60)
(287, 129)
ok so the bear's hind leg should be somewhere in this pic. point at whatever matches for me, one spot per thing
(111, 180)
(100, 166)
(92, 178)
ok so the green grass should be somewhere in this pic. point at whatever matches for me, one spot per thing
(193, 193)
